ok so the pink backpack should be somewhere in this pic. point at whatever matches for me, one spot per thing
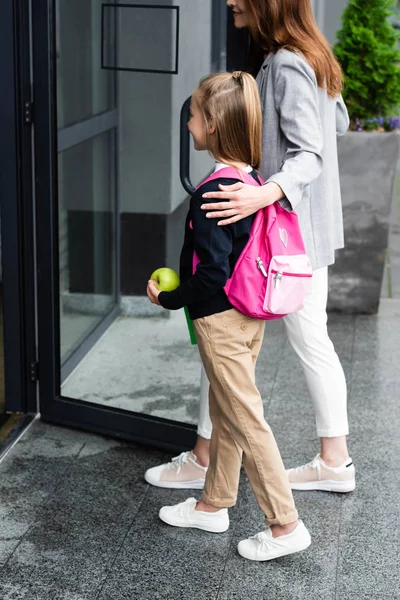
(272, 275)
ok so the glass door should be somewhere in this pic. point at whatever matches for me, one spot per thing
(109, 83)
(87, 124)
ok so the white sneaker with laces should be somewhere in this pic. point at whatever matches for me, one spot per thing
(264, 546)
(183, 473)
(186, 515)
(316, 475)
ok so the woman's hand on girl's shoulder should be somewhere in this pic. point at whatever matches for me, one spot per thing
(244, 200)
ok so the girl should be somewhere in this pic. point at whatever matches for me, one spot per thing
(226, 120)
(300, 82)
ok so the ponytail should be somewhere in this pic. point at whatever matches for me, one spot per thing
(231, 107)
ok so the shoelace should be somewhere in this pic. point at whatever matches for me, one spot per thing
(265, 540)
(314, 464)
(261, 537)
(179, 461)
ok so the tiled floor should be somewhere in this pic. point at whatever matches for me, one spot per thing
(78, 522)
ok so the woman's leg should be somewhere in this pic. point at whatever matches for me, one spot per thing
(308, 334)
(204, 427)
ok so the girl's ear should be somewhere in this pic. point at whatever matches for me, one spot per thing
(212, 128)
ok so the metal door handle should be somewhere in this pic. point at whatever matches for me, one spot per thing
(184, 167)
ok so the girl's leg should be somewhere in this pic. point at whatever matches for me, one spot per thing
(228, 344)
(222, 445)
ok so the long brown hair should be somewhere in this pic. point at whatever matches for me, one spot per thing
(291, 24)
(230, 103)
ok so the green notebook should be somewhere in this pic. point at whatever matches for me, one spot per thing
(189, 321)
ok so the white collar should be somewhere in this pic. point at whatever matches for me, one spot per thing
(219, 166)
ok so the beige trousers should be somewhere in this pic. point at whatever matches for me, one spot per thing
(229, 344)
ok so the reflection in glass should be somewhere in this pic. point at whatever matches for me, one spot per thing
(149, 36)
(83, 88)
(86, 179)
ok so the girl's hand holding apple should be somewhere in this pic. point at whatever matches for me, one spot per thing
(162, 280)
(153, 292)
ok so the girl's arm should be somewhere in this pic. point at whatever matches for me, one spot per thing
(213, 245)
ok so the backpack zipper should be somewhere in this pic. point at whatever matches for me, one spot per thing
(280, 274)
(292, 274)
(277, 279)
(260, 265)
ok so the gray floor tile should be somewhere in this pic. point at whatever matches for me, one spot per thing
(78, 529)
(29, 476)
(158, 562)
(368, 565)
(309, 575)
(7, 547)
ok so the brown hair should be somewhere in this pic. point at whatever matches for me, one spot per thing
(291, 24)
(231, 107)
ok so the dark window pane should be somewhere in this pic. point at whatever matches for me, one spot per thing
(83, 88)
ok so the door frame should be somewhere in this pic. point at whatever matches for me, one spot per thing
(17, 213)
(54, 407)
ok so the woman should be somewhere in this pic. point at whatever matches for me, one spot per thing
(300, 83)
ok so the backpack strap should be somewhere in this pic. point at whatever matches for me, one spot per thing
(232, 173)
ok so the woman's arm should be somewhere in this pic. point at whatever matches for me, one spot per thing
(342, 117)
(244, 200)
(296, 102)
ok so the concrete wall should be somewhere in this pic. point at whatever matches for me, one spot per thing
(327, 13)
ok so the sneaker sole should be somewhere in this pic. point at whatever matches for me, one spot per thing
(176, 523)
(176, 485)
(326, 486)
(279, 555)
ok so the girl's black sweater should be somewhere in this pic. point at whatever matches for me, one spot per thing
(217, 247)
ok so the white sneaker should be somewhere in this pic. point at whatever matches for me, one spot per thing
(264, 546)
(185, 515)
(316, 475)
(183, 473)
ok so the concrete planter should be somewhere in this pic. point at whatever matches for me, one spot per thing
(367, 163)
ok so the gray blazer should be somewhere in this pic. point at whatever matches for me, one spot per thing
(300, 125)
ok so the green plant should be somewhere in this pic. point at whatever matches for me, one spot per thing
(367, 49)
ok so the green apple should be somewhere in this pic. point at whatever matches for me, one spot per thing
(166, 279)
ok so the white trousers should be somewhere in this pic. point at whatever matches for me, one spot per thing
(307, 332)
